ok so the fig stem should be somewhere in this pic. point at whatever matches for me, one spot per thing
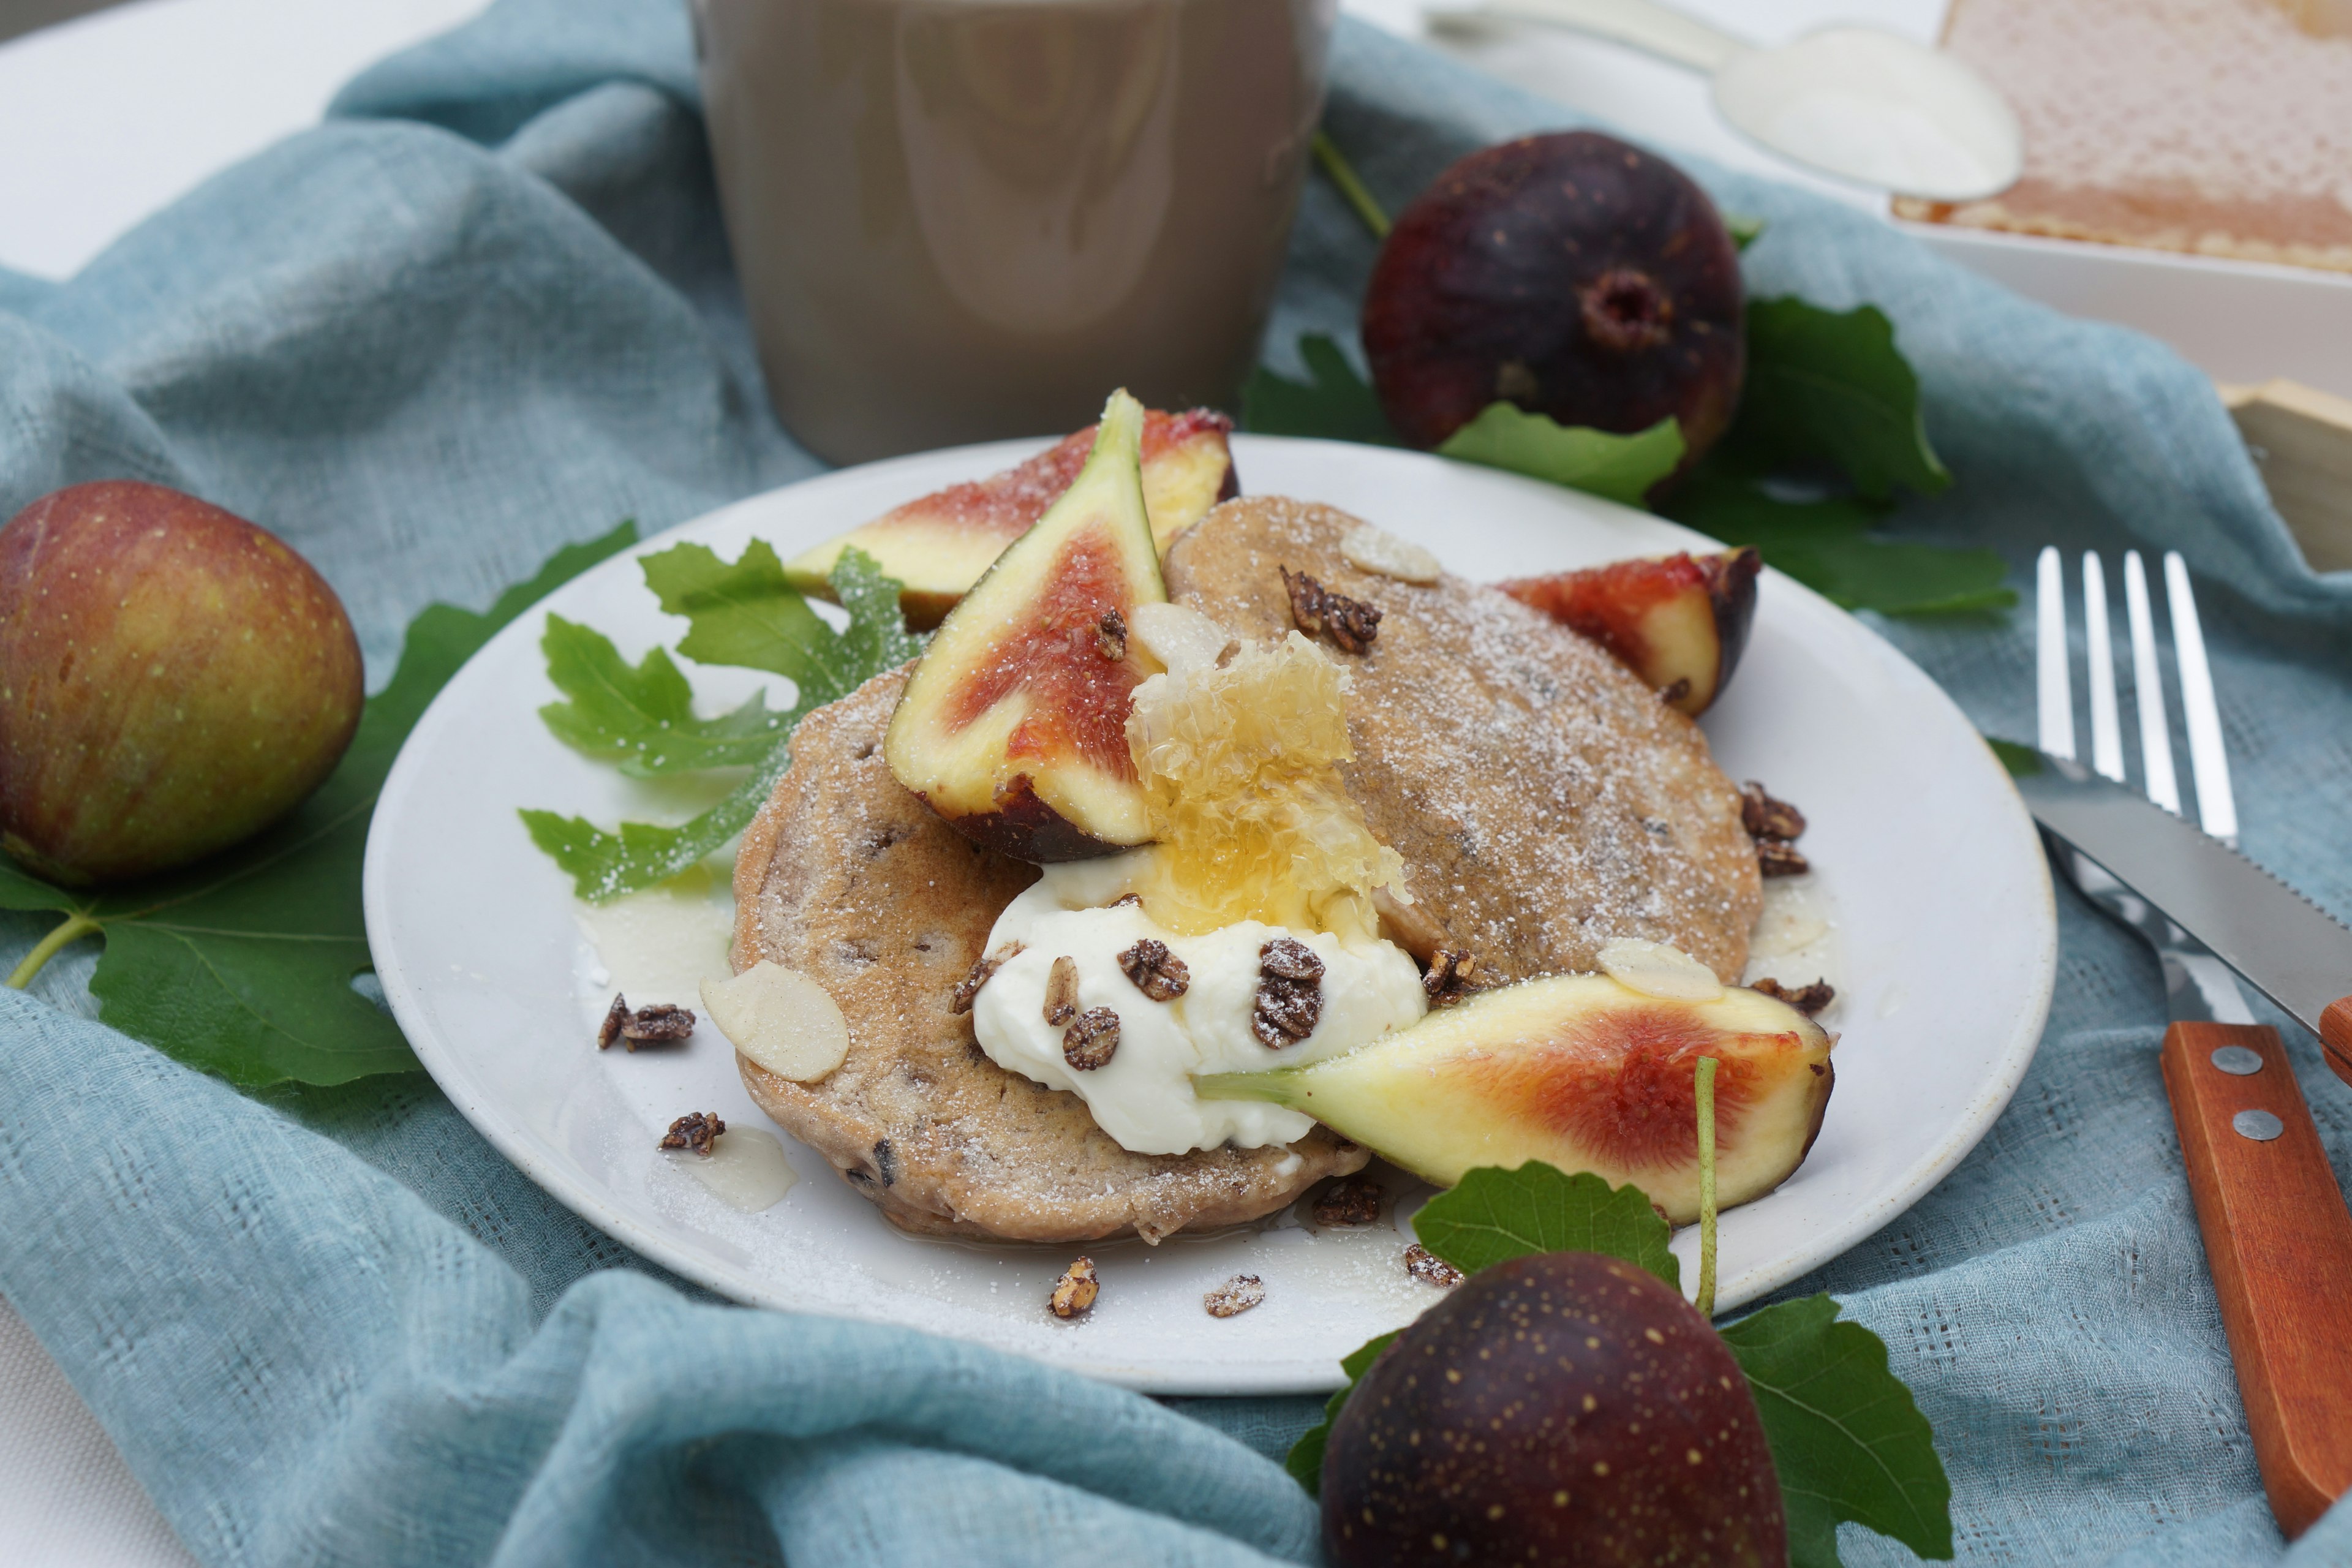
(73, 928)
(1272, 1086)
(1343, 175)
(1706, 1302)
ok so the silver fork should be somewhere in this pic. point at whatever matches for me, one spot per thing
(2268, 1206)
(2197, 986)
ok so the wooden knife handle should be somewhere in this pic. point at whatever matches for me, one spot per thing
(2279, 1238)
(2336, 1034)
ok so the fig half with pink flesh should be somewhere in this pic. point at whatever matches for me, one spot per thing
(937, 545)
(1582, 1073)
(1014, 727)
(1679, 622)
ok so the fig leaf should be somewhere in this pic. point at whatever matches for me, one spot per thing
(1828, 545)
(1616, 467)
(242, 965)
(748, 615)
(1848, 1440)
(743, 613)
(1494, 1216)
(1828, 385)
(642, 719)
(1305, 1461)
(1334, 402)
(2018, 762)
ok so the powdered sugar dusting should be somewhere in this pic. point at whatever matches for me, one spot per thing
(1544, 799)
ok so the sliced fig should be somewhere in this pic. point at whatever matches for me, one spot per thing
(1679, 622)
(1583, 1073)
(1014, 727)
(937, 546)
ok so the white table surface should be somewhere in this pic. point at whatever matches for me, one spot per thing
(108, 117)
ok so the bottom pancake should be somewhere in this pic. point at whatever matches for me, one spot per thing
(851, 879)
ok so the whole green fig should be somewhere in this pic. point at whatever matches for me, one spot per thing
(171, 680)
(1563, 1408)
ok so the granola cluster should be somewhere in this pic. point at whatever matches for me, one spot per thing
(1806, 999)
(1235, 1297)
(1062, 991)
(1075, 1290)
(1776, 825)
(1111, 636)
(1350, 624)
(1156, 971)
(983, 970)
(1429, 1269)
(1091, 1040)
(1289, 994)
(697, 1131)
(1448, 980)
(1349, 1201)
(658, 1024)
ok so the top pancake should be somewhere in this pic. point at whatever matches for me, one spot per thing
(847, 878)
(1544, 799)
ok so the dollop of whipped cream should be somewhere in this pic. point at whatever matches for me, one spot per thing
(1143, 1096)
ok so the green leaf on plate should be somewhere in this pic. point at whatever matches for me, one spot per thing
(1744, 228)
(642, 719)
(1828, 546)
(242, 965)
(1847, 1438)
(743, 613)
(1617, 467)
(1305, 1460)
(1493, 1216)
(1831, 386)
(1333, 403)
(2020, 762)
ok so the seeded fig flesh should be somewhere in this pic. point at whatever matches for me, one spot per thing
(1013, 726)
(937, 546)
(171, 680)
(1679, 622)
(1571, 274)
(1561, 1408)
(1580, 1072)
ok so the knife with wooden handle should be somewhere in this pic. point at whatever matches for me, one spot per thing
(2279, 1239)
(2276, 1230)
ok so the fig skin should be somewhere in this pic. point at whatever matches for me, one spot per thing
(1496, 1431)
(173, 679)
(1679, 622)
(1571, 274)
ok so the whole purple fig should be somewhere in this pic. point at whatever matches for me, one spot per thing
(1571, 274)
(1566, 1407)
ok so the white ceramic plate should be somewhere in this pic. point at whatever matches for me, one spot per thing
(1948, 945)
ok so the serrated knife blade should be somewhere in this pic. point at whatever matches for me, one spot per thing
(2288, 948)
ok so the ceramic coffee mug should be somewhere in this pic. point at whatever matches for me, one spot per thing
(962, 219)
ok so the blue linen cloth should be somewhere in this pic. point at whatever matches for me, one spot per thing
(486, 310)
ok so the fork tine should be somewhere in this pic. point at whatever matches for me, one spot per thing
(2208, 760)
(2054, 698)
(2106, 730)
(2147, 685)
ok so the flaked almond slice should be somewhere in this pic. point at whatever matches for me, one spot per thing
(1181, 637)
(1653, 969)
(1382, 554)
(780, 1019)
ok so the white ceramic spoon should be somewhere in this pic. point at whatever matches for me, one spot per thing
(1856, 102)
